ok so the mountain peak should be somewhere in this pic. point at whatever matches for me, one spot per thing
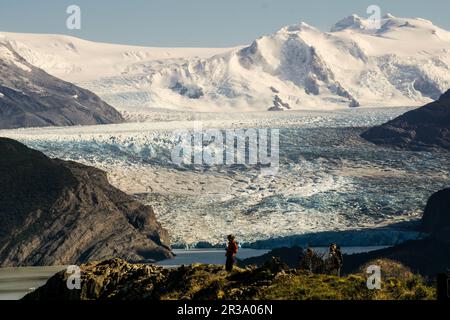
(302, 26)
(389, 16)
(351, 22)
(389, 22)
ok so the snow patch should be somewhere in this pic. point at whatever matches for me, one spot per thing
(7, 54)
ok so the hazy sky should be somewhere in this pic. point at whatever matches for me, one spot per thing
(197, 23)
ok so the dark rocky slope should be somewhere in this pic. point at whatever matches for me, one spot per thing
(30, 97)
(436, 217)
(55, 212)
(428, 256)
(425, 128)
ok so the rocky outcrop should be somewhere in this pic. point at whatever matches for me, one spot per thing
(30, 97)
(56, 212)
(290, 256)
(436, 216)
(279, 105)
(109, 279)
(425, 128)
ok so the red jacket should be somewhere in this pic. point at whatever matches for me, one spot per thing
(232, 248)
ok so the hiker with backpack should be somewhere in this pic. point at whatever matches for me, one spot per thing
(231, 252)
(306, 260)
(336, 259)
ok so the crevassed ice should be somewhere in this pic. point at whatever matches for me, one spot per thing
(329, 178)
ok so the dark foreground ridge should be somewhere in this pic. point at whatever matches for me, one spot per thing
(56, 212)
(425, 128)
(30, 97)
(118, 280)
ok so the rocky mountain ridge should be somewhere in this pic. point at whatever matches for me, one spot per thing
(30, 97)
(57, 212)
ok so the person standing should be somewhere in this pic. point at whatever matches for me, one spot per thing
(231, 252)
(306, 261)
(340, 260)
(336, 259)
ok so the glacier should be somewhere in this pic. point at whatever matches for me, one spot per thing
(330, 180)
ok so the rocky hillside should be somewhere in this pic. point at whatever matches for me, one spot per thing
(30, 97)
(55, 212)
(422, 129)
(119, 280)
(436, 217)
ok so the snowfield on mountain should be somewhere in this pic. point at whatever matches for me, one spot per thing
(404, 63)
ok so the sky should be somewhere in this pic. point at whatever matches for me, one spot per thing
(197, 23)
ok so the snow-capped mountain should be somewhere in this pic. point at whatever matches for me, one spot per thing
(405, 62)
(30, 97)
